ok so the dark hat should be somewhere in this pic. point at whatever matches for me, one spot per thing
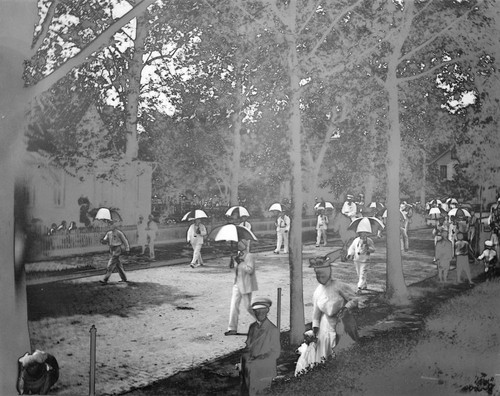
(261, 303)
(325, 261)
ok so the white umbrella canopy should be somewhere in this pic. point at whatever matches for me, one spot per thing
(327, 205)
(194, 214)
(231, 232)
(107, 214)
(459, 212)
(436, 213)
(365, 224)
(239, 209)
(276, 206)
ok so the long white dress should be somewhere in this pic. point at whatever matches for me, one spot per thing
(328, 300)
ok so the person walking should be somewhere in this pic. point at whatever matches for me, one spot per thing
(443, 254)
(349, 208)
(330, 299)
(195, 236)
(282, 229)
(151, 230)
(116, 240)
(321, 227)
(359, 252)
(258, 361)
(245, 282)
(141, 234)
(462, 251)
(245, 223)
(403, 231)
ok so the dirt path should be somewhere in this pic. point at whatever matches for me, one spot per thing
(168, 319)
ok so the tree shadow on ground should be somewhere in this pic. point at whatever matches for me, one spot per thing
(122, 299)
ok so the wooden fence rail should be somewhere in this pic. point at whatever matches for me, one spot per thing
(82, 241)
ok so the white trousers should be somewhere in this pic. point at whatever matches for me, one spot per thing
(282, 239)
(361, 269)
(234, 311)
(321, 233)
(197, 254)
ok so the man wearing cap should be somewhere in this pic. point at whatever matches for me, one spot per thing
(115, 239)
(245, 282)
(258, 362)
(349, 208)
(282, 228)
(330, 299)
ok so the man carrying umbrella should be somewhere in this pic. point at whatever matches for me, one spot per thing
(245, 282)
(115, 239)
(195, 236)
(360, 251)
(282, 228)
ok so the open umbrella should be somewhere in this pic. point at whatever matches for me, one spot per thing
(324, 205)
(194, 214)
(276, 206)
(240, 210)
(459, 212)
(365, 224)
(436, 213)
(106, 214)
(231, 233)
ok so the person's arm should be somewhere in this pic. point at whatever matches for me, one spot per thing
(316, 315)
(189, 234)
(349, 295)
(203, 230)
(371, 245)
(124, 240)
(352, 249)
(249, 264)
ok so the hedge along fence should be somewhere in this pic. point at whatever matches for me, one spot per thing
(84, 241)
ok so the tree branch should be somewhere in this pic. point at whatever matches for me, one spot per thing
(94, 46)
(38, 40)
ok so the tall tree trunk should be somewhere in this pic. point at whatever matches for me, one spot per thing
(297, 320)
(17, 19)
(424, 176)
(133, 79)
(236, 157)
(397, 291)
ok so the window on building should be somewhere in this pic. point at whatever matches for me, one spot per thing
(443, 172)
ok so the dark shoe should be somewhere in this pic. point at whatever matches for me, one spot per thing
(358, 291)
(230, 332)
(192, 265)
(275, 252)
(317, 245)
(103, 282)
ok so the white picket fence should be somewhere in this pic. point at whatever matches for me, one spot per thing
(82, 241)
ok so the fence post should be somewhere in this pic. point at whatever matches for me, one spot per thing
(278, 308)
(93, 332)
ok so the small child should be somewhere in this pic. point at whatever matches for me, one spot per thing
(321, 227)
(462, 251)
(307, 351)
(444, 254)
(490, 258)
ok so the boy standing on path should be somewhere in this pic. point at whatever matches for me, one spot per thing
(115, 239)
(360, 251)
(195, 236)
